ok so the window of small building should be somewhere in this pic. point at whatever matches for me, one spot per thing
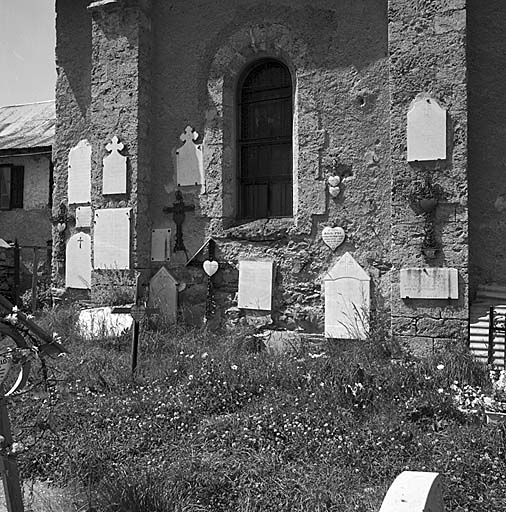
(11, 186)
(265, 125)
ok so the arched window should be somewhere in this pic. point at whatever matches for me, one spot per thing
(265, 141)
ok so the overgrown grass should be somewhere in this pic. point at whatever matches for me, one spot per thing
(207, 424)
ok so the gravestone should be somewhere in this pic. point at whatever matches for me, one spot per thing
(102, 323)
(255, 284)
(414, 491)
(111, 238)
(78, 262)
(160, 244)
(429, 283)
(83, 216)
(163, 289)
(114, 180)
(189, 161)
(79, 173)
(347, 300)
(426, 130)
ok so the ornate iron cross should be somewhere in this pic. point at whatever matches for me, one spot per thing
(178, 210)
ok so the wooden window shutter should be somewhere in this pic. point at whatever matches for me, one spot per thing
(17, 186)
(5, 187)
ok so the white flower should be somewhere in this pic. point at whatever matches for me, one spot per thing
(440, 391)
(204, 355)
(190, 377)
(440, 366)
(17, 448)
(316, 356)
(234, 367)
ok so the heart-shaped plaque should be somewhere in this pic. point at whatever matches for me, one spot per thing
(334, 191)
(334, 181)
(210, 267)
(333, 237)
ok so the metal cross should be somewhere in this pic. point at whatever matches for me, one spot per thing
(178, 210)
(80, 240)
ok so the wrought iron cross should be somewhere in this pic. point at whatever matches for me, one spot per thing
(179, 209)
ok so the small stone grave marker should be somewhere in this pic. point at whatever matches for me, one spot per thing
(255, 284)
(78, 262)
(414, 491)
(163, 290)
(429, 283)
(114, 180)
(83, 216)
(79, 173)
(111, 237)
(189, 161)
(347, 300)
(426, 130)
(101, 322)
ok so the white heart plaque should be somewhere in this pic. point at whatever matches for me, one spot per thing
(334, 191)
(334, 181)
(210, 267)
(333, 237)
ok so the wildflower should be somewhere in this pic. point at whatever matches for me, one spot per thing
(17, 448)
(234, 367)
(204, 355)
(440, 391)
(316, 356)
(440, 366)
(190, 377)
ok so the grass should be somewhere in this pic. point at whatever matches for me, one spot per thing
(208, 424)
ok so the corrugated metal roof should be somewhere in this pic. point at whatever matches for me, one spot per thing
(27, 126)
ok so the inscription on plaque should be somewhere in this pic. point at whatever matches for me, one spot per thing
(111, 238)
(115, 169)
(333, 237)
(83, 216)
(160, 244)
(429, 283)
(78, 262)
(79, 173)
(255, 284)
(189, 161)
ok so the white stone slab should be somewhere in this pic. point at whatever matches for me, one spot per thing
(426, 130)
(111, 238)
(114, 179)
(429, 283)
(79, 173)
(333, 237)
(102, 323)
(189, 161)
(255, 284)
(83, 216)
(160, 244)
(78, 262)
(347, 300)
(414, 491)
(163, 293)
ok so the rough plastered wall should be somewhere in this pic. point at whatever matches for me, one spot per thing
(103, 57)
(487, 136)
(31, 225)
(337, 53)
(427, 52)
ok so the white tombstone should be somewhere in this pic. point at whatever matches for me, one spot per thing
(160, 244)
(103, 323)
(83, 216)
(79, 173)
(163, 290)
(255, 284)
(347, 300)
(426, 130)
(111, 238)
(78, 262)
(429, 283)
(114, 179)
(189, 161)
(414, 491)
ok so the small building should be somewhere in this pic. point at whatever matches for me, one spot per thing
(26, 172)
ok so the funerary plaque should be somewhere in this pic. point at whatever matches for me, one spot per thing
(114, 180)
(111, 238)
(426, 130)
(189, 161)
(160, 244)
(333, 237)
(83, 216)
(79, 173)
(347, 300)
(78, 262)
(163, 294)
(255, 284)
(429, 283)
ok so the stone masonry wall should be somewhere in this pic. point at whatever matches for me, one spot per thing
(427, 49)
(337, 53)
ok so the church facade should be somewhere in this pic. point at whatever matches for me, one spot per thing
(290, 133)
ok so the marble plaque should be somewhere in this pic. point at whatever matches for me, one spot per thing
(255, 284)
(163, 294)
(429, 283)
(189, 161)
(426, 130)
(79, 173)
(103, 323)
(333, 237)
(78, 262)
(83, 216)
(114, 180)
(160, 244)
(414, 491)
(347, 300)
(111, 238)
